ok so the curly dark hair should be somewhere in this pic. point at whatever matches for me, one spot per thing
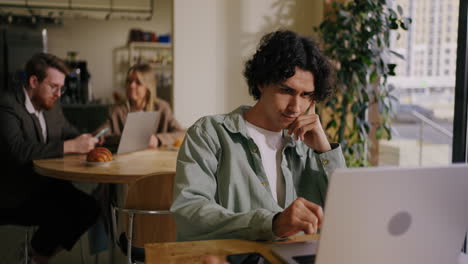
(278, 55)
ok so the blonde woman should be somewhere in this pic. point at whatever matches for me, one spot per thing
(141, 96)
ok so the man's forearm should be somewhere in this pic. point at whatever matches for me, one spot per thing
(69, 146)
(215, 222)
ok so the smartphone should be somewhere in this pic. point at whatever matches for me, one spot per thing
(247, 258)
(102, 132)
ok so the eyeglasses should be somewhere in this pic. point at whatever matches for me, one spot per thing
(54, 88)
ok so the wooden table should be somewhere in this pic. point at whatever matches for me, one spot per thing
(195, 251)
(125, 168)
(148, 175)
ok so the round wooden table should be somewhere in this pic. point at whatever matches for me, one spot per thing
(193, 252)
(125, 168)
(148, 176)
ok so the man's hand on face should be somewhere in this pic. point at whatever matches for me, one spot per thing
(301, 215)
(81, 144)
(307, 127)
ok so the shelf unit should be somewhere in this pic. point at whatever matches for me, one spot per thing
(158, 55)
(100, 9)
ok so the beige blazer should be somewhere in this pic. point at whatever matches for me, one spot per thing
(168, 129)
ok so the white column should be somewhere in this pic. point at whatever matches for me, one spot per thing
(212, 41)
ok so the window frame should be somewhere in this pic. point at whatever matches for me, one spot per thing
(460, 124)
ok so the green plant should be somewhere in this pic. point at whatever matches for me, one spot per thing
(357, 36)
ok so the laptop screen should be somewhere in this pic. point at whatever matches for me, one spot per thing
(137, 131)
(391, 215)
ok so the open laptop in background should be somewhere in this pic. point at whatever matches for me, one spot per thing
(390, 215)
(137, 131)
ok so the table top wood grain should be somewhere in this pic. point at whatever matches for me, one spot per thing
(192, 252)
(125, 168)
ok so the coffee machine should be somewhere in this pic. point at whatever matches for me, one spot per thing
(77, 82)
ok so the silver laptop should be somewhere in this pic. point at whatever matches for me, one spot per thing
(137, 131)
(390, 215)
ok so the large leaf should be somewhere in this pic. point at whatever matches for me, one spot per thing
(397, 54)
(331, 124)
(373, 77)
(391, 69)
(405, 23)
(400, 10)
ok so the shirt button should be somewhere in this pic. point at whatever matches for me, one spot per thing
(265, 183)
(254, 149)
(325, 161)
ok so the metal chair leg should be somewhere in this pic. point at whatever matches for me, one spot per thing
(130, 238)
(26, 248)
(131, 216)
(82, 252)
(114, 224)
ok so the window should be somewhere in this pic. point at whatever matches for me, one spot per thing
(429, 87)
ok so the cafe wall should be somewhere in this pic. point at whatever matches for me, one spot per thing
(213, 39)
(95, 41)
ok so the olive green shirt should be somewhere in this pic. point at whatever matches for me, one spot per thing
(221, 190)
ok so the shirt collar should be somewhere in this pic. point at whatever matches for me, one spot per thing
(235, 123)
(28, 104)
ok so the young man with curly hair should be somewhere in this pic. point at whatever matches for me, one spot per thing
(261, 172)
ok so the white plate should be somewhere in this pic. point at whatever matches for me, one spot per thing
(97, 163)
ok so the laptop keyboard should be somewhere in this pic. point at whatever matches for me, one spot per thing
(306, 259)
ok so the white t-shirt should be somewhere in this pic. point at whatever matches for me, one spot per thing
(270, 145)
(39, 114)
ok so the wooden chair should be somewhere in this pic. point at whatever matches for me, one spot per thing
(146, 203)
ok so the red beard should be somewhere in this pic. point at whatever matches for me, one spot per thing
(45, 104)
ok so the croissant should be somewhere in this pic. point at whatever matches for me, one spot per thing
(178, 142)
(99, 154)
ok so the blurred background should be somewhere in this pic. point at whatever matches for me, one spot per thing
(198, 49)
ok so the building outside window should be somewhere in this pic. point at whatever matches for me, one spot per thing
(428, 89)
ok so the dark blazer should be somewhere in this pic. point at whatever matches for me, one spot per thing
(21, 142)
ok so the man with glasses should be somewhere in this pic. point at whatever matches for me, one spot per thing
(32, 126)
(261, 172)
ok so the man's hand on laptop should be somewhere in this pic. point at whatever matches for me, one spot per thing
(301, 215)
(81, 144)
